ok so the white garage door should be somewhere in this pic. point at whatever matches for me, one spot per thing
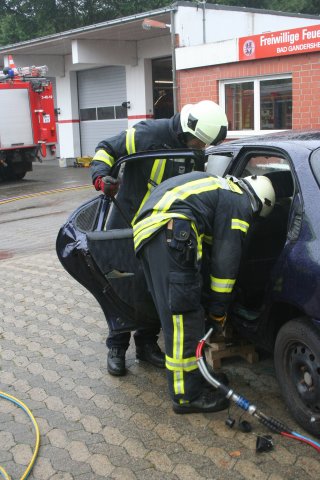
(101, 93)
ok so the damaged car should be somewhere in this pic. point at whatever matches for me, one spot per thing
(276, 299)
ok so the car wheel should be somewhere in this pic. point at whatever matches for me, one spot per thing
(297, 365)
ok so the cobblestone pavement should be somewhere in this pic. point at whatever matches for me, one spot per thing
(94, 426)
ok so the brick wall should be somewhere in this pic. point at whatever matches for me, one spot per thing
(203, 83)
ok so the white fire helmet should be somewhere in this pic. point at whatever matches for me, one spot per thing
(206, 120)
(264, 190)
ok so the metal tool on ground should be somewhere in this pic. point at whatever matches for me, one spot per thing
(271, 423)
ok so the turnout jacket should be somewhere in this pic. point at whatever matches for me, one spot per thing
(218, 211)
(139, 178)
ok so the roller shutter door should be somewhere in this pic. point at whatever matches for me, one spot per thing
(101, 92)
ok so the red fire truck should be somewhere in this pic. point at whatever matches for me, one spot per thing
(27, 119)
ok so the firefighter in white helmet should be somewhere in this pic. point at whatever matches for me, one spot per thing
(168, 236)
(264, 190)
(206, 121)
(195, 127)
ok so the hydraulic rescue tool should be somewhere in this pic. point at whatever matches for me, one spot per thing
(271, 423)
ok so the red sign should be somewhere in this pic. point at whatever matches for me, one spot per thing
(283, 42)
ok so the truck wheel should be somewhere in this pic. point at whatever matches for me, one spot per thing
(11, 175)
(20, 175)
(297, 365)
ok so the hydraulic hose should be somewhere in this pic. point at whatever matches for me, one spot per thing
(24, 407)
(269, 422)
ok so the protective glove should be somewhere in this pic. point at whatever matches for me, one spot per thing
(108, 185)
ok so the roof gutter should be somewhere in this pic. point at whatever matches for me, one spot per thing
(97, 26)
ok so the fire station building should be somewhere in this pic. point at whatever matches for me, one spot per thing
(262, 66)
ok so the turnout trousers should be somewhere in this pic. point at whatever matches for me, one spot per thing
(169, 261)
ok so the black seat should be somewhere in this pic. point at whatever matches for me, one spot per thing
(282, 182)
(265, 240)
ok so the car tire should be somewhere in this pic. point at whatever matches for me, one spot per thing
(297, 365)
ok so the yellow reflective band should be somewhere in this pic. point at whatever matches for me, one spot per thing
(237, 224)
(199, 241)
(149, 221)
(177, 352)
(178, 336)
(147, 232)
(233, 186)
(178, 382)
(186, 364)
(155, 177)
(157, 171)
(130, 143)
(146, 227)
(222, 285)
(208, 239)
(103, 156)
(177, 364)
(183, 191)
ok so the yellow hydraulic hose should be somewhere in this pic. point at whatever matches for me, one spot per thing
(24, 407)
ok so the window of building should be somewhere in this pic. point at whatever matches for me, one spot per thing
(258, 104)
(103, 113)
(87, 114)
(121, 112)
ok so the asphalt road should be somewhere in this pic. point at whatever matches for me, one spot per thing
(33, 209)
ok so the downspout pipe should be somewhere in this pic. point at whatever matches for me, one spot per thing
(173, 53)
(204, 22)
(204, 36)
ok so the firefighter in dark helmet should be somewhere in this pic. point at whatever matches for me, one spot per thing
(179, 214)
(195, 127)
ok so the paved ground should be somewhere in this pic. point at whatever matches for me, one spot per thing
(94, 426)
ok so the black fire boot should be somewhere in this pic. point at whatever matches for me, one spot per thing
(116, 363)
(208, 401)
(151, 353)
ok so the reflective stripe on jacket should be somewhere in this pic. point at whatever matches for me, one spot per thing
(139, 178)
(218, 210)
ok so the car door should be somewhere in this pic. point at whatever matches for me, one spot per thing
(266, 237)
(112, 251)
(220, 160)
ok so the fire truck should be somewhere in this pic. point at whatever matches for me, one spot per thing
(27, 119)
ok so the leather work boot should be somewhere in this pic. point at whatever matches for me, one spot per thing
(116, 362)
(208, 401)
(151, 353)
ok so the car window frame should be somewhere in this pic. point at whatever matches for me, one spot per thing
(315, 165)
(297, 203)
(263, 151)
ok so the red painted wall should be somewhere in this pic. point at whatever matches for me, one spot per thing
(203, 83)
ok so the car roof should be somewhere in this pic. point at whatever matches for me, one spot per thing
(302, 136)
